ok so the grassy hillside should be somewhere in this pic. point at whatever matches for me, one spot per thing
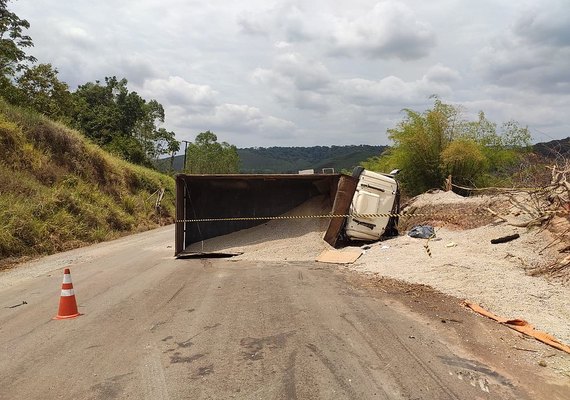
(59, 191)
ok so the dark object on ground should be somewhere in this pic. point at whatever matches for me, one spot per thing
(18, 305)
(422, 232)
(201, 255)
(505, 239)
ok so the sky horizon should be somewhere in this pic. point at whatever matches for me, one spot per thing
(298, 73)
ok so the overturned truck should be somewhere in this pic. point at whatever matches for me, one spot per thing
(208, 206)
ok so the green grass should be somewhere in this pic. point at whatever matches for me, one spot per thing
(59, 191)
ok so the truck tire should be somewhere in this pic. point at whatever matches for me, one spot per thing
(357, 171)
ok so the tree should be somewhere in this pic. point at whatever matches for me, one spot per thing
(43, 91)
(430, 145)
(121, 121)
(207, 156)
(463, 159)
(13, 58)
(164, 143)
(418, 142)
(95, 112)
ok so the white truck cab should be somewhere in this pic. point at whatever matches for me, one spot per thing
(376, 194)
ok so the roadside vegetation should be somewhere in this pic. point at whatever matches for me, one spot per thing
(112, 116)
(206, 156)
(60, 187)
(431, 145)
(480, 157)
(58, 190)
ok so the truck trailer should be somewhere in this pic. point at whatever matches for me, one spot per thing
(214, 205)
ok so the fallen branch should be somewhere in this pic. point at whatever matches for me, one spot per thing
(497, 215)
(533, 222)
(557, 239)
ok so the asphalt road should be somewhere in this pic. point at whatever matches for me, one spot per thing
(159, 328)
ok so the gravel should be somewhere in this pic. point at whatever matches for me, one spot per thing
(278, 240)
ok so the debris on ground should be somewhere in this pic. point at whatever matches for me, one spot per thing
(345, 256)
(277, 240)
(422, 232)
(530, 277)
(505, 239)
(521, 326)
(517, 279)
(18, 305)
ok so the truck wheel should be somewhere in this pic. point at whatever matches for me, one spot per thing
(356, 172)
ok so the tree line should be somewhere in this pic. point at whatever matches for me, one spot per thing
(430, 145)
(207, 156)
(119, 120)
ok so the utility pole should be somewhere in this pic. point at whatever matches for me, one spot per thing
(185, 151)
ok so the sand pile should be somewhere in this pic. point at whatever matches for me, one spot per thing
(278, 240)
(440, 197)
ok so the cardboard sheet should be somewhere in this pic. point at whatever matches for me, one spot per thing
(521, 326)
(346, 256)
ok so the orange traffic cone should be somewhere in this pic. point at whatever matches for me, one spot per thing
(67, 303)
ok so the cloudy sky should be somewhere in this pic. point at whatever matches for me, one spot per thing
(316, 72)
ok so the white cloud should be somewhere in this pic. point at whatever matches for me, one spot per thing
(296, 80)
(290, 22)
(533, 52)
(192, 108)
(241, 122)
(396, 92)
(545, 25)
(246, 118)
(295, 72)
(306, 74)
(175, 90)
(442, 74)
(282, 44)
(390, 29)
(255, 25)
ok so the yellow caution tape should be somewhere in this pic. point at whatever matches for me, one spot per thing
(356, 215)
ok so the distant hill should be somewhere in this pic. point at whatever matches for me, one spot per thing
(276, 160)
(554, 148)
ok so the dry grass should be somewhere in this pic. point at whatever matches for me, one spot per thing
(59, 191)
